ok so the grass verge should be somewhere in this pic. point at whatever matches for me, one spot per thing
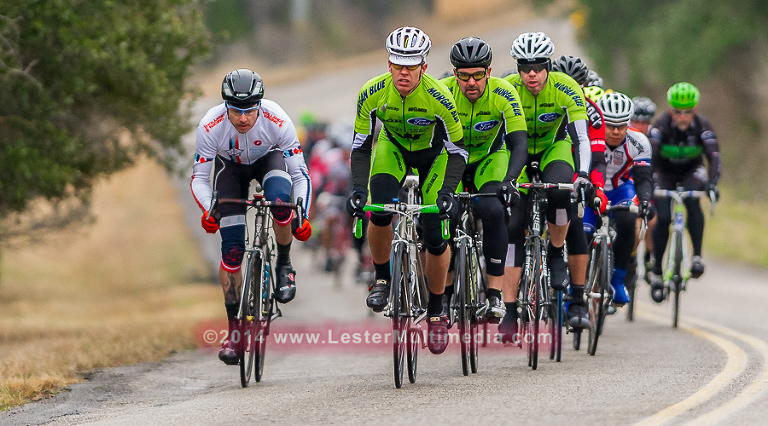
(736, 231)
(128, 288)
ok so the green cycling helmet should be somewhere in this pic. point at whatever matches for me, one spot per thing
(683, 96)
(594, 92)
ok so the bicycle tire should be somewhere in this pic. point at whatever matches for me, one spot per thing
(598, 285)
(247, 325)
(264, 312)
(399, 319)
(632, 269)
(534, 295)
(461, 282)
(677, 277)
(475, 288)
(558, 337)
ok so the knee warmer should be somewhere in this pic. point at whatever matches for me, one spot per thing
(433, 238)
(277, 187)
(232, 247)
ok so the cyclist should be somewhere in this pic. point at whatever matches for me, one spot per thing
(552, 102)
(576, 239)
(420, 130)
(593, 80)
(248, 137)
(492, 118)
(641, 119)
(331, 176)
(645, 109)
(681, 138)
(629, 180)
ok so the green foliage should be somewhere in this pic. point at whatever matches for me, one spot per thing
(87, 86)
(670, 41)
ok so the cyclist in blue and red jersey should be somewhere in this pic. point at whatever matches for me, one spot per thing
(681, 139)
(629, 181)
(248, 137)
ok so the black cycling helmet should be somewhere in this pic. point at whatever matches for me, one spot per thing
(471, 52)
(573, 66)
(242, 88)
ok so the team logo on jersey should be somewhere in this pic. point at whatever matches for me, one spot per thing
(234, 152)
(549, 117)
(420, 121)
(257, 142)
(485, 126)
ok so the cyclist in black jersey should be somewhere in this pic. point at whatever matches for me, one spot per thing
(496, 138)
(681, 139)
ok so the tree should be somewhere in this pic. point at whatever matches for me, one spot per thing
(88, 86)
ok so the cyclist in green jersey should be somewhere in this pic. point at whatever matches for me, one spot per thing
(492, 118)
(553, 103)
(420, 130)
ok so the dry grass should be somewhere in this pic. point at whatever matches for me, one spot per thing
(128, 288)
(737, 230)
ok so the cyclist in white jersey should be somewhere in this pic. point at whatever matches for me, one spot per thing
(249, 137)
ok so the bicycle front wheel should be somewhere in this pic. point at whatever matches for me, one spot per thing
(263, 311)
(461, 281)
(597, 282)
(400, 314)
(677, 277)
(535, 289)
(248, 322)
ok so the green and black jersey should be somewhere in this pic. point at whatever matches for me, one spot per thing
(424, 123)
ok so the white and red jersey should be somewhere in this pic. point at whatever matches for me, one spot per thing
(634, 150)
(273, 131)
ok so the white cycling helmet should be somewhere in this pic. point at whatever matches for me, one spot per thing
(617, 108)
(408, 46)
(532, 47)
(645, 109)
(342, 133)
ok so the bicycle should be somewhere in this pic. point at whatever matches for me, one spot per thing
(535, 293)
(598, 290)
(632, 269)
(407, 305)
(469, 281)
(258, 307)
(678, 270)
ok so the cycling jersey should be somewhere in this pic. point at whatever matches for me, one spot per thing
(273, 131)
(634, 151)
(422, 124)
(678, 152)
(560, 102)
(490, 118)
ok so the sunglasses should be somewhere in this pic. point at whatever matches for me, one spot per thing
(477, 75)
(248, 112)
(408, 67)
(682, 111)
(526, 68)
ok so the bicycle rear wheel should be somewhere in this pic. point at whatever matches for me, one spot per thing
(400, 314)
(677, 277)
(631, 284)
(248, 323)
(597, 283)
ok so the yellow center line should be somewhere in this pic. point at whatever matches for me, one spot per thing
(734, 366)
(751, 392)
